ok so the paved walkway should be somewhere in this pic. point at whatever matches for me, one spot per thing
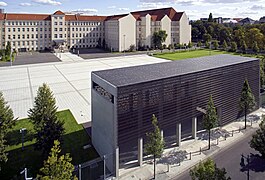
(68, 57)
(176, 160)
(70, 81)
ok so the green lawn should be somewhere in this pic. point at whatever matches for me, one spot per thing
(188, 54)
(74, 139)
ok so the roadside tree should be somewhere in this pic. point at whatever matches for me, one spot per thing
(7, 121)
(233, 47)
(215, 44)
(208, 170)
(224, 46)
(158, 38)
(57, 167)
(247, 100)
(255, 47)
(155, 143)
(46, 123)
(210, 119)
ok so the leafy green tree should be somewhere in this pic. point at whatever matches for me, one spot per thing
(199, 44)
(57, 167)
(46, 123)
(244, 47)
(254, 35)
(258, 139)
(210, 19)
(190, 45)
(207, 44)
(208, 170)
(247, 100)
(8, 48)
(255, 47)
(233, 47)
(7, 121)
(210, 119)
(155, 143)
(207, 37)
(224, 46)
(215, 44)
(158, 38)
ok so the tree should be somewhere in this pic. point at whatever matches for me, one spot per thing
(255, 47)
(258, 139)
(244, 47)
(233, 47)
(247, 100)
(155, 143)
(262, 71)
(210, 19)
(8, 48)
(190, 45)
(224, 46)
(46, 123)
(207, 44)
(199, 44)
(57, 167)
(215, 44)
(207, 37)
(7, 121)
(208, 170)
(158, 38)
(210, 119)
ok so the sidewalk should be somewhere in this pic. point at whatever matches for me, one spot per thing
(176, 160)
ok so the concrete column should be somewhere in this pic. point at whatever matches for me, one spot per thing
(178, 133)
(162, 134)
(194, 127)
(140, 151)
(117, 163)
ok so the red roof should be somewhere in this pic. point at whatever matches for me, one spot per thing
(37, 17)
(58, 13)
(158, 14)
(84, 18)
(116, 17)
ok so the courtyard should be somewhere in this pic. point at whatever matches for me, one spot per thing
(70, 81)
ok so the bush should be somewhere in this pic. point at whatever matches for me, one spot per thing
(132, 48)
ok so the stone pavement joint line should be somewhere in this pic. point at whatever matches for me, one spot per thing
(178, 159)
(30, 85)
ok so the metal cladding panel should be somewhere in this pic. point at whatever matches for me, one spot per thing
(175, 99)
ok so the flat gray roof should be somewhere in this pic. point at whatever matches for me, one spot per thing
(138, 74)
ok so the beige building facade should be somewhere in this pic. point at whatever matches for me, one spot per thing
(37, 32)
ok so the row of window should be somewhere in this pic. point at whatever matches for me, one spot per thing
(85, 41)
(27, 43)
(36, 23)
(23, 36)
(32, 23)
(27, 29)
(86, 35)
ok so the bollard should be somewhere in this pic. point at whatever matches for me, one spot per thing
(217, 141)
(79, 171)
(167, 167)
(190, 155)
(200, 150)
(225, 137)
(232, 133)
(239, 130)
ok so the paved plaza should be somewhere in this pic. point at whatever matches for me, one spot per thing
(70, 81)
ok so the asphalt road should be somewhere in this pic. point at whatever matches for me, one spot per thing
(231, 159)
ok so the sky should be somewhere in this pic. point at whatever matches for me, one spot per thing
(195, 9)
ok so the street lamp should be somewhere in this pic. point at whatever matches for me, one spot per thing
(124, 43)
(22, 131)
(11, 52)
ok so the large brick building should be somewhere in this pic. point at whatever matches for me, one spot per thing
(44, 31)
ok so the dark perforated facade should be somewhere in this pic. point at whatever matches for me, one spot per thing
(174, 99)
